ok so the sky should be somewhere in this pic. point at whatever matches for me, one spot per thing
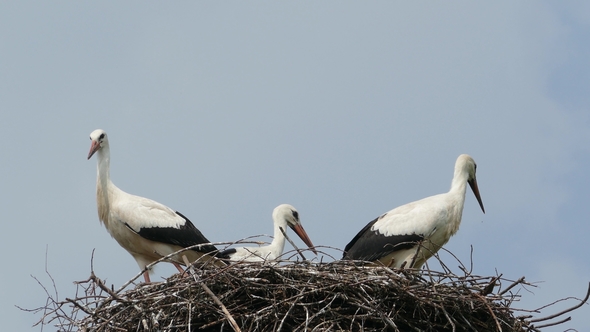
(224, 110)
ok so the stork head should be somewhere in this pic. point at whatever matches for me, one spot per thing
(98, 139)
(466, 165)
(290, 215)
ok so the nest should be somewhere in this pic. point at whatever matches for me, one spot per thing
(298, 296)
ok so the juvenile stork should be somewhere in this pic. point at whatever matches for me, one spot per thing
(407, 236)
(147, 229)
(283, 215)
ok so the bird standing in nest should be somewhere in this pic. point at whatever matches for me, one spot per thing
(147, 229)
(407, 236)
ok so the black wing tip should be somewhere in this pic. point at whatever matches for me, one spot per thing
(208, 248)
(225, 254)
(183, 237)
(372, 246)
(359, 235)
(183, 216)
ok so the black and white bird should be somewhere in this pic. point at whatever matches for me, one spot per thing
(283, 215)
(147, 229)
(407, 236)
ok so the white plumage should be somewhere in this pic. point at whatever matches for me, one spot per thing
(283, 215)
(410, 234)
(147, 229)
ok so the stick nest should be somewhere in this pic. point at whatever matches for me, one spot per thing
(295, 296)
(299, 296)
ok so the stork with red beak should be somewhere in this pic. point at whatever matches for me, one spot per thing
(283, 215)
(147, 229)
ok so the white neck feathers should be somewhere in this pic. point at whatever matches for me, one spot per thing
(103, 184)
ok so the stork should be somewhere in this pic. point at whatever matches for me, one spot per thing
(283, 215)
(408, 235)
(147, 229)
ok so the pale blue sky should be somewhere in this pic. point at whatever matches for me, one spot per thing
(343, 109)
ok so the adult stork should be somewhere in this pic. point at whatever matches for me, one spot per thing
(147, 229)
(283, 215)
(407, 236)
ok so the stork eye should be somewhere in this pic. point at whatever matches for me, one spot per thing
(295, 214)
(101, 136)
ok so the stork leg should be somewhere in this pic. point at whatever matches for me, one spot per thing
(180, 269)
(391, 262)
(146, 276)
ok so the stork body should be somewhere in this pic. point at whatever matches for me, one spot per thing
(283, 215)
(410, 234)
(145, 228)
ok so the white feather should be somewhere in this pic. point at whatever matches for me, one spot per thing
(283, 215)
(435, 218)
(125, 215)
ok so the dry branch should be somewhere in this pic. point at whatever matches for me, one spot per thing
(299, 296)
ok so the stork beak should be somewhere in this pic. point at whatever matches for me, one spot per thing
(93, 148)
(303, 235)
(473, 185)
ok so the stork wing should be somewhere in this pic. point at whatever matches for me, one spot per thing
(398, 229)
(370, 245)
(157, 222)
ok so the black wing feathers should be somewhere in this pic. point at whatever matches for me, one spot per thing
(370, 246)
(225, 254)
(185, 236)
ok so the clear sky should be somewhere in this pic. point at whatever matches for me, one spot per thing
(224, 110)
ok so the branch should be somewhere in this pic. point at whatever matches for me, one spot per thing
(564, 311)
(213, 296)
(293, 244)
(517, 282)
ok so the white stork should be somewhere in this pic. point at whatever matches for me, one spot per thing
(410, 234)
(283, 215)
(147, 229)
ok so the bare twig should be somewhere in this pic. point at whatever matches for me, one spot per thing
(566, 310)
(517, 282)
(567, 319)
(292, 243)
(297, 296)
(214, 297)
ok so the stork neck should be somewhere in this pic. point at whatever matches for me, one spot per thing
(278, 242)
(459, 184)
(103, 167)
(457, 193)
(104, 186)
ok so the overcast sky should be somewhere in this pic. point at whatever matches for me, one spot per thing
(345, 110)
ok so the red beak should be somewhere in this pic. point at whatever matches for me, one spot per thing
(93, 148)
(303, 235)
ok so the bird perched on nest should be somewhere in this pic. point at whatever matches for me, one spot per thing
(410, 234)
(283, 215)
(147, 229)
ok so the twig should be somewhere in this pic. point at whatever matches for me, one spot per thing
(517, 282)
(104, 287)
(564, 311)
(289, 311)
(498, 326)
(299, 296)
(293, 244)
(214, 297)
(554, 323)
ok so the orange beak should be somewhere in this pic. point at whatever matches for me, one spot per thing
(473, 185)
(303, 235)
(93, 148)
